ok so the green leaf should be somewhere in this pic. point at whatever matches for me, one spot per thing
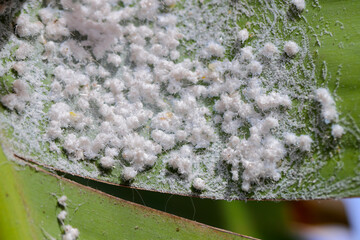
(29, 209)
(331, 41)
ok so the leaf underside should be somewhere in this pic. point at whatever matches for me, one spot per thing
(331, 30)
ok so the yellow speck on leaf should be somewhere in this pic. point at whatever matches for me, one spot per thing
(169, 114)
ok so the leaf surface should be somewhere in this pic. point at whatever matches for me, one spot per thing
(29, 211)
(330, 33)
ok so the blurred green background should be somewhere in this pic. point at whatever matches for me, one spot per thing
(264, 220)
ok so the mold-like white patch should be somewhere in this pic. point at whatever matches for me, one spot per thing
(299, 4)
(272, 100)
(129, 173)
(62, 201)
(18, 99)
(181, 160)
(269, 50)
(214, 49)
(62, 215)
(243, 35)
(163, 91)
(20, 67)
(199, 184)
(337, 130)
(25, 27)
(114, 59)
(23, 51)
(291, 48)
(328, 107)
(290, 138)
(57, 30)
(70, 233)
(305, 142)
(255, 68)
(107, 162)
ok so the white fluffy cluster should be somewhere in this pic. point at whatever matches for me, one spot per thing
(299, 4)
(199, 184)
(303, 141)
(26, 27)
(272, 100)
(24, 50)
(247, 53)
(243, 35)
(233, 109)
(62, 201)
(255, 68)
(328, 111)
(269, 50)
(328, 107)
(62, 215)
(129, 173)
(291, 48)
(337, 131)
(67, 82)
(182, 160)
(127, 101)
(70, 233)
(214, 49)
(18, 99)
(20, 67)
(259, 154)
(139, 151)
